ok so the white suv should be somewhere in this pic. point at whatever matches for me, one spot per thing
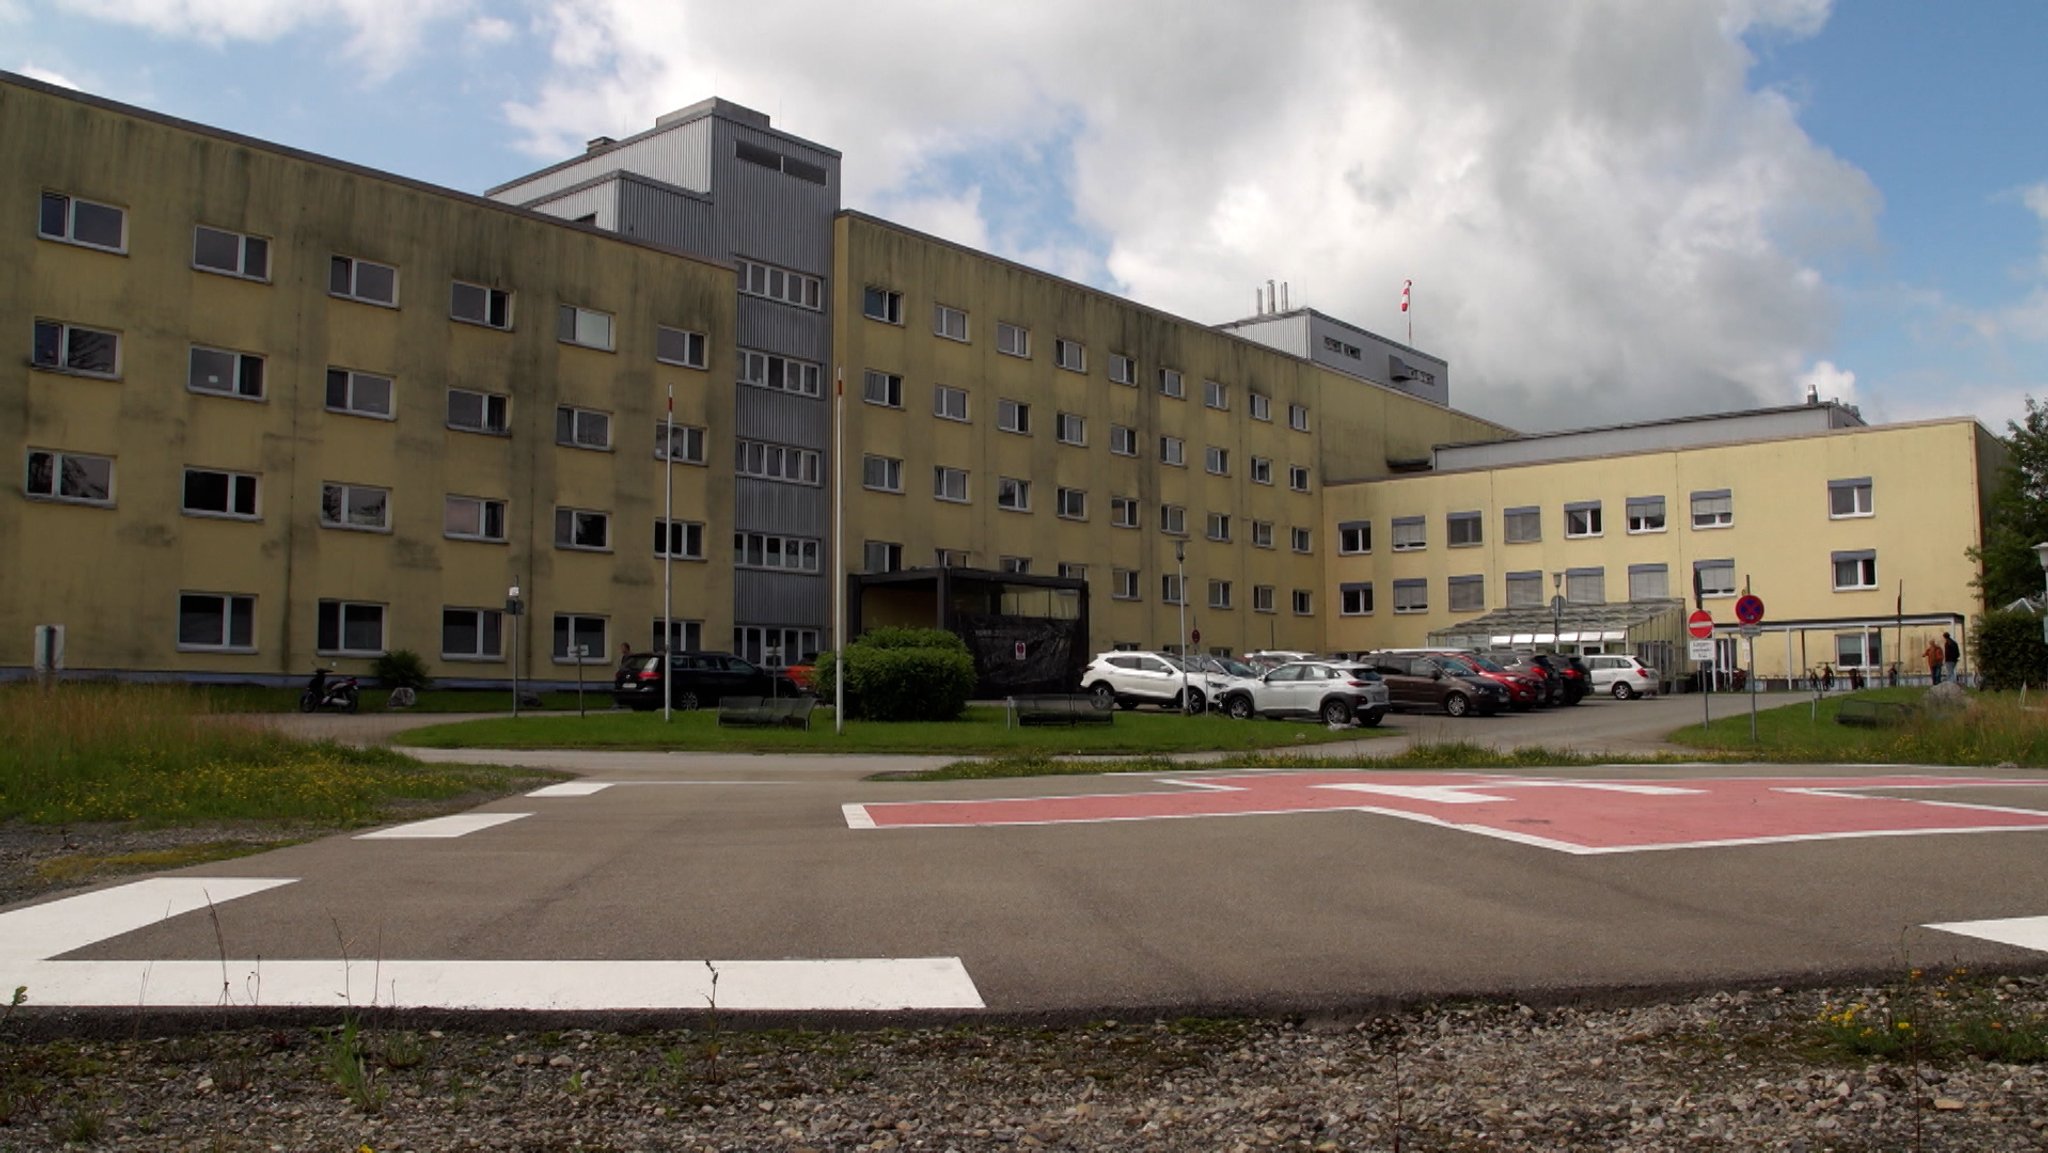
(1337, 691)
(1128, 680)
(1624, 677)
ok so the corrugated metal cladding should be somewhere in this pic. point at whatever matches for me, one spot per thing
(600, 200)
(780, 598)
(769, 215)
(785, 328)
(679, 156)
(764, 414)
(1775, 424)
(663, 216)
(776, 506)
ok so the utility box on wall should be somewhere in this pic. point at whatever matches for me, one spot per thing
(49, 650)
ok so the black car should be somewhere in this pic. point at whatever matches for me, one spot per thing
(700, 679)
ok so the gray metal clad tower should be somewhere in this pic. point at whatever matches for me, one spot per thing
(715, 180)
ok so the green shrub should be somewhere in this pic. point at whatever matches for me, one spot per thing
(898, 674)
(2009, 650)
(401, 669)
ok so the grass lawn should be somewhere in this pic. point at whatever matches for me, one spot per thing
(981, 732)
(1994, 730)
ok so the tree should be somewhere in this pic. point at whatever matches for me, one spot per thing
(2016, 516)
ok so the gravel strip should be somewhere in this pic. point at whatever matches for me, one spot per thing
(1740, 1071)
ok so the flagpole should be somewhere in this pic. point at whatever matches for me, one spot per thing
(839, 550)
(668, 555)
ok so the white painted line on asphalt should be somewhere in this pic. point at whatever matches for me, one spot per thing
(459, 825)
(1434, 794)
(571, 789)
(857, 817)
(2024, 932)
(30, 937)
(1597, 786)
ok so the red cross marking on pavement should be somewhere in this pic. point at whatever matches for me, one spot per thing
(1569, 815)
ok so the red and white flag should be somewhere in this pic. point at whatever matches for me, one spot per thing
(1405, 286)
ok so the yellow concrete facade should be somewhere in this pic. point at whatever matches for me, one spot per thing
(1779, 530)
(1096, 423)
(257, 582)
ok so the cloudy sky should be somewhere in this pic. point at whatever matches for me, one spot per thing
(1612, 210)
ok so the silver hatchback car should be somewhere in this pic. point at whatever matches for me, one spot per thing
(1621, 677)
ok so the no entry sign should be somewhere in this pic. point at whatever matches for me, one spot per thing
(1700, 624)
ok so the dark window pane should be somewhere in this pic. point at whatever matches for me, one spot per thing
(93, 351)
(329, 629)
(337, 388)
(250, 381)
(212, 248)
(467, 302)
(565, 426)
(42, 474)
(96, 224)
(501, 310)
(55, 209)
(256, 258)
(211, 370)
(245, 495)
(206, 491)
(199, 620)
(242, 622)
(364, 628)
(340, 275)
(330, 503)
(376, 282)
(494, 521)
(49, 347)
(88, 478)
(372, 394)
(458, 631)
(493, 643)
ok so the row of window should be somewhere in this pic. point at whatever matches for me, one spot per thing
(886, 305)
(887, 556)
(1715, 509)
(1851, 571)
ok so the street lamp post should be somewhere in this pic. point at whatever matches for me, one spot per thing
(2041, 551)
(1557, 611)
(514, 609)
(1180, 563)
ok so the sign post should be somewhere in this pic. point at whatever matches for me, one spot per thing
(1700, 627)
(1749, 609)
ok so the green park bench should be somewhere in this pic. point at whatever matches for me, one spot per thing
(1873, 714)
(1059, 709)
(767, 712)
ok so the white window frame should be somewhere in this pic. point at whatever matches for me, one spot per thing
(1123, 512)
(1070, 428)
(944, 486)
(883, 304)
(797, 377)
(1301, 540)
(1713, 517)
(890, 469)
(1013, 416)
(1172, 589)
(1639, 516)
(573, 520)
(245, 366)
(782, 285)
(1304, 602)
(1013, 494)
(480, 618)
(1216, 395)
(673, 537)
(1262, 534)
(1297, 417)
(1262, 598)
(345, 492)
(487, 404)
(1262, 470)
(1641, 590)
(586, 327)
(1219, 594)
(1410, 533)
(1471, 524)
(695, 440)
(577, 433)
(1123, 441)
(1297, 478)
(350, 278)
(884, 389)
(1862, 498)
(1173, 519)
(1173, 451)
(776, 552)
(1529, 516)
(1354, 538)
(343, 610)
(1013, 564)
(780, 463)
(1013, 339)
(1072, 503)
(1172, 384)
(890, 553)
(1405, 590)
(1124, 584)
(1584, 520)
(57, 478)
(476, 510)
(696, 351)
(1217, 527)
(1216, 460)
(226, 603)
(1070, 355)
(353, 383)
(496, 302)
(944, 317)
(69, 233)
(245, 245)
(237, 482)
(941, 395)
(1717, 565)
(67, 355)
(578, 634)
(1473, 588)
(1355, 599)
(1259, 405)
(1864, 562)
(1122, 369)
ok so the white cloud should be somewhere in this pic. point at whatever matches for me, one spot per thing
(384, 35)
(1592, 202)
(48, 77)
(1827, 382)
(488, 32)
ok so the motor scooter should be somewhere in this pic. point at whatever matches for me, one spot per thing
(337, 693)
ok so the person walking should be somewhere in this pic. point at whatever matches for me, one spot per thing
(1951, 652)
(1934, 656)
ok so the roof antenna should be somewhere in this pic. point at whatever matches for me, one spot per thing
(1283, 296)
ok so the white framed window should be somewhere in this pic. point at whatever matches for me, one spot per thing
(584, 326)
(1262, 598)
(1013, 339)
(949, 322)
(1411, 596)
(1354, 537)
(1714, 578)
(352, 278)
(1849, 498)
(781, 284)
(215, 492)
(1297, 417)
(1219, 526)
(1073, 503)
(1585, 586)
(883, 388)
(1855, 570)
(1582, 519)
(1123, 511)
(480, 304)
(781, 373)
(583, 428)
(1071, 355)
(1173, 520)
(349, 629)
(1297, 477)
(1123, 584)
(1171, 384)
(682, 443)
(582, 639)
(473, 518)
(678, 539)
(1860, 650)
(1302, 540)
(1262, 534)
(485, 412)
(1171, 588)
(949, 484)
(881, 556)
(1259, 405)
(1712, 509)
(1463, 530)
(230, 253)
(469, 634)
(1216, 460)
(1649, 582)
(1304, 603)
(1070, 428)
(1173, 450)
(74, 477)
(1122, 369)
(1219, 594)
(1525, 590)
(224, 373)
(950, 557)
(216, 622)
(681, 347)
(1411, 533)
(774, 551)
(1262, 470)
(949, 403)
(774, 646)
(881, 473)
(1521, 525)
(1073, 572)
(1645, 514)
(74, 348)
(1354, 599)
(361, 507)
(778, 462)
(83, 222)
(1019, 564)
(1013, 416)
(1216, 395)
(583, 529)
(1467, 594)
(682, 636)
(883, 304)
(359, 393)
(1123, 441)
(1013, 494)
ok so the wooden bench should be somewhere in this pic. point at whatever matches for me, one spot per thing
(1873, 714)
(1059, 709)
(767, 712)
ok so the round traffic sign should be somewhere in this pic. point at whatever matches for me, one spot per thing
(1195, 637)
(1749, 609)
(1700, 624)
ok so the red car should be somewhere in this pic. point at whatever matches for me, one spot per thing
(1524, 692)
